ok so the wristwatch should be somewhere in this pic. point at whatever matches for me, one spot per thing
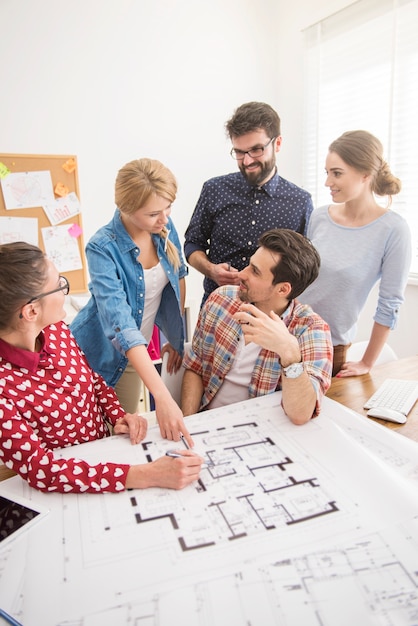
(294, 370)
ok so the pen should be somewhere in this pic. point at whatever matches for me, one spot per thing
(177, 455)
(174, 455)
(184, 441)
(9, 619)
(229, 266)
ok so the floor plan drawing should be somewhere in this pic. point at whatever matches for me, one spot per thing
(251, 484)
(363, 582)
(286, 525)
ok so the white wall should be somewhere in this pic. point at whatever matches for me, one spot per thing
(114, 80)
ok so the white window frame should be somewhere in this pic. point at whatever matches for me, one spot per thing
(361, 71)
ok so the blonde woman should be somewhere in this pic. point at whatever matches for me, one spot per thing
(137, 280)
(360, 243)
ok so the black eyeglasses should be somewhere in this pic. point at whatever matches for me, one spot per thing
(64, 287)
(253, 153)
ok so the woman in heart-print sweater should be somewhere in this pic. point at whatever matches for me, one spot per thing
(50, 397)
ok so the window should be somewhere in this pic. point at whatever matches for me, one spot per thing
(361, 68)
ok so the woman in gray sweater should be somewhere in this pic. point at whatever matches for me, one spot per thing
(360, 243)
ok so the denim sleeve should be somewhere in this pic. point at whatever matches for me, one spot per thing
(113, 284)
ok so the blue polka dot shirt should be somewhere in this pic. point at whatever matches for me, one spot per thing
(231, 215)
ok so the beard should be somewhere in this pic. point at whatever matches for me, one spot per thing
(243, 295)
(258, 176)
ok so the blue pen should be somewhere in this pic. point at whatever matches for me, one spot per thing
(9, 619)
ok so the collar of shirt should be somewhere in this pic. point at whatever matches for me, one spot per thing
(287, 316)
(23, 358)
(124, 240)
(270, 187)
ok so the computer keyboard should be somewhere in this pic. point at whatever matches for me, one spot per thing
(394, 393)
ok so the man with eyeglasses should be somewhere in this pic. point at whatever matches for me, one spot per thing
(235, 209)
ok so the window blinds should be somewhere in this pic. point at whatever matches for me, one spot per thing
(361, 71)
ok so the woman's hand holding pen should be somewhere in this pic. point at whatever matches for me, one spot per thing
(166, 472)
(224, 274)
(177, 473)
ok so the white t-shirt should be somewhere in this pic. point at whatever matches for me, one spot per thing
(236, 382)
(155, 281)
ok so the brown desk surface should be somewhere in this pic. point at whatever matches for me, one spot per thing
(355, 390)
(6, 473)
(353, 393)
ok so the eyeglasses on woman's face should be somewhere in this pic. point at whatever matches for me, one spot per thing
(64, 286)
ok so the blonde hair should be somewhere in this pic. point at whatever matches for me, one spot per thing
(364, 152)
(136, 183)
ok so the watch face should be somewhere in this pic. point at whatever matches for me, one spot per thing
(294, 370)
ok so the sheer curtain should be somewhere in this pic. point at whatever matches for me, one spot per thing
(361, 71)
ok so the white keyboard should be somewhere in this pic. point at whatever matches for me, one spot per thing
(394, 393)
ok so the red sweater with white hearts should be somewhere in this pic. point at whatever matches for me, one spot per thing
(53, 399)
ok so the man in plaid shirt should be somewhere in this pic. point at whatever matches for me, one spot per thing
(256, 338)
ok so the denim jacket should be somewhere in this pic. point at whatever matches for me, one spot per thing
(110, 323)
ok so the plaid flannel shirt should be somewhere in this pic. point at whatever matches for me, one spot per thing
(216, 338)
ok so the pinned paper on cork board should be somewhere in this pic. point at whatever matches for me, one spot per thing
(40, 203)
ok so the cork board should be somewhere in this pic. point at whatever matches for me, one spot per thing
(64, 176)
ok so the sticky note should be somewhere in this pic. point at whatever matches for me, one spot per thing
(61, 190)
(69, 166)
(4, 170)
(75, 230)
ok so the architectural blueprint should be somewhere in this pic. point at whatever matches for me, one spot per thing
(314, 525)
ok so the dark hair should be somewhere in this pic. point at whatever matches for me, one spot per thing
(364, 152)
(253, 116)
(299, 260)
(23, 273)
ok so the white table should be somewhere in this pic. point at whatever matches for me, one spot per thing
(291, 525)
